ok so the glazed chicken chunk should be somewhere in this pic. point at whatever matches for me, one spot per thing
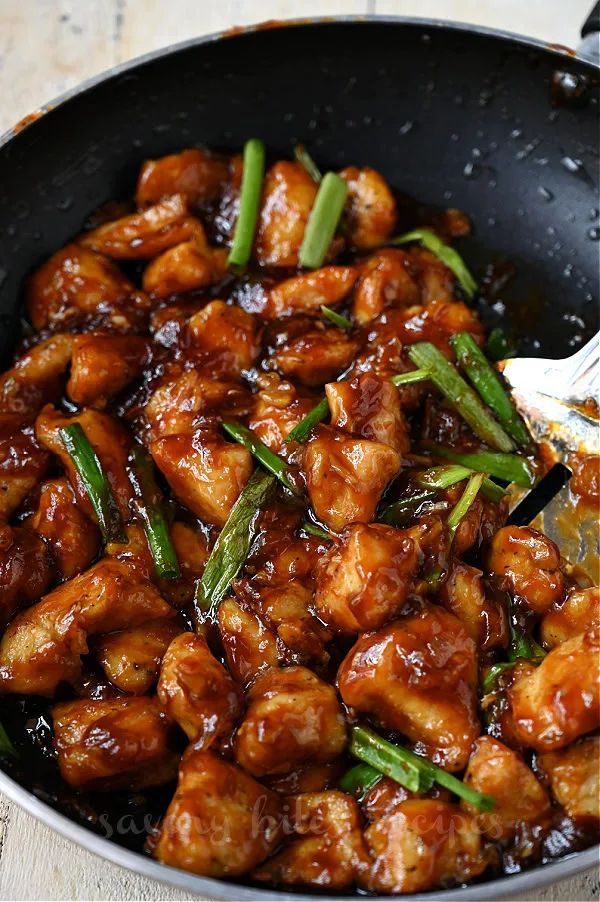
(122, 743)
(221, 822)
(418, 675)
(196, 691)
(293, 717)
(574, 775)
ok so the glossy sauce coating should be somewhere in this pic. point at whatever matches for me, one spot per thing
(237, 728)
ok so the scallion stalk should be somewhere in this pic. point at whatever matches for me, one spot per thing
(465, 502)
(487, 382)
(232, 546)
(270, 461)
(95, 481)
(342, 322)
(151, 510)
(323, 220)
(509, 467)
(443, 252)
(250, 192)
(460, 395)
(302, 156)
(303, 429)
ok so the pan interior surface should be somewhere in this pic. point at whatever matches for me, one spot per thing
(452, 117)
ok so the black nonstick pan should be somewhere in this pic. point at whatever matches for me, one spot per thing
(501, 127)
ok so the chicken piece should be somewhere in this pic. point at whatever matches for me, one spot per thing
(317, 356)
(109, 440)
(277, 409)
(418, 676)
(425, 843)
(437, 282)
(438, 322)
(365, 579)
(43, 645)
(574, 777)
(35, 379)
(221, 822)
(369, 407)
(131, 658)
(370, 207)
(527, 563)
(141, 236)
(388, 278)
(103, 365)
(293, 718)
(250, 647)
(185, 267)
(25, 570)
(119, 743)
(313, 778)
(176, 404)
(286, 610)
(205, 472)
(585, 481)
(226, 331)
(75, 284)
(385, 796)
(463, 594)
(559, 700)
(288, 196)
(579, 612)
(310, 291)
(22, 464)
(522, 806)
(73, 538)
(197, 692)
(480, 523)
(326, 848)
(346, 477)
(195, 173)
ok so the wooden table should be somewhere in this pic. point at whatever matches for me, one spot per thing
(47, 46)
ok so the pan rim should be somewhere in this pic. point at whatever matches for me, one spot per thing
(561, 869)
(233, 33)
(134, 861)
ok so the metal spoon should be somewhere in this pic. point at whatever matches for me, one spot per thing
(560, 401)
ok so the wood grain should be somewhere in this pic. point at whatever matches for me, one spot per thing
(48, 46)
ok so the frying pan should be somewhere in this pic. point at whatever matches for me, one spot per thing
(452, 115)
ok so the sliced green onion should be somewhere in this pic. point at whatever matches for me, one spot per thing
(94, 479)
(499, 346)
(156, 528)
(521, 644)
(323, 220)
(460, 395)
(7, 749)
(493, 673)
(302, 156)
(443, 252)
(487, 382)
(411, 376)
(303, 429)
(365, 740)
(396, 513)
(336, 318)
(359, 780)
(388, 759)
(313, 530)
(509, 467)
(465, 501)
(252, 179)
(444, 476)
(270, 461)
(232, 546)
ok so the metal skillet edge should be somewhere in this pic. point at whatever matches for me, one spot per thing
(218, 889)
(558, 50)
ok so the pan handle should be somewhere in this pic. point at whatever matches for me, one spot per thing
(589, 48)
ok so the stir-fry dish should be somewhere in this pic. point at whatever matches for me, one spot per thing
(256, 549)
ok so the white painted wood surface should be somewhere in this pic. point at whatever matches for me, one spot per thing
(47, 46)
